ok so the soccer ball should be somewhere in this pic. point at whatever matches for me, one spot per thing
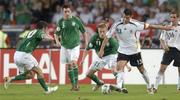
(105, 89)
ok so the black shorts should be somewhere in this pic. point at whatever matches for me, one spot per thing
(135, 59)
(172, 54)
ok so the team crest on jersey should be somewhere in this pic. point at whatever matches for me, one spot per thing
(90, 45)
(63, 24)
(130, 31)
(118, 31)
(73, 23)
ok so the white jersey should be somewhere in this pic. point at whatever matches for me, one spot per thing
(128, 36)
(172, 37)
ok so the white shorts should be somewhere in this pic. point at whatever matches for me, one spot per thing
(110, 61)
(24, 61)
(68, 55)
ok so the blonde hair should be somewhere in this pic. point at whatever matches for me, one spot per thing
(102, 25)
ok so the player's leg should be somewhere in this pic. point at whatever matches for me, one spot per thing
(122, 60)
(22, 66)
(97, 65)
(23, 76)
(73, 58)
(65, 59)
(176, 63)
(42, 82)
(166, 60)
(136, 60)
(178, 85)
(146, 78)
(159, 77)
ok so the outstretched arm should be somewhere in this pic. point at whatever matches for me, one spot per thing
(158, 26)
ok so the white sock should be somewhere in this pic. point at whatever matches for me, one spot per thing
(120, 79)
(178, 85)
(146, 78)
(158, 80)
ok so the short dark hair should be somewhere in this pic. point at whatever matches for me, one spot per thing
(65, 6)
(42, 24)
(174, 11)
(127, 12)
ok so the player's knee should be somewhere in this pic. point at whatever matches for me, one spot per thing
(74, 63)
(30, 76)
(88, 75)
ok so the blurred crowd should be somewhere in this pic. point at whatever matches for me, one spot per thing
(91, 12)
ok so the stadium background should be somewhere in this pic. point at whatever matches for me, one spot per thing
(19, 16)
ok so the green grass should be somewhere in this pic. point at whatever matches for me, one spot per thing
(136, 92)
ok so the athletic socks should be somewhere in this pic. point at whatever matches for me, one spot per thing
(43, 84)
(19, 77)
(71, 76)
(120, 79)
(95, 79)
(75, 69)
(178, 85)
(158, 80)
(146, 78)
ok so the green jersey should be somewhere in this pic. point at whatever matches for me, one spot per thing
(96, 42)
(30, 42)
(69, 30)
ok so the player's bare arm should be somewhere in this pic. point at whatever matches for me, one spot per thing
(85, 53)
(101, 52)
(58, 44)
(85, 39)
(47, 37)
(157, 26)
(164, 45)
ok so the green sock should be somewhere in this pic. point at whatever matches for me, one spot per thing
(19, 77)
(95, 79)
(43, 84)
(71, 76)
(75, 69)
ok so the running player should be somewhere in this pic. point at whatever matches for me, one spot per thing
(109, 58)
(68, 31)
(129, 48)
(170, 41)
(27, 64)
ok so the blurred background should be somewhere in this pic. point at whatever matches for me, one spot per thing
(18, 17)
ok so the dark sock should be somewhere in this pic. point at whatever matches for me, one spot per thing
(43, 84)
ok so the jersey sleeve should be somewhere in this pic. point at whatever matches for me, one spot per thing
(111, 30)
(91, 43)
(40, 35)
(139, 25)
(114, 43)
(162, 36)
(58, 29)
(81, 26)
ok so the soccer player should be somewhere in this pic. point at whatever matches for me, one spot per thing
(129, 48)
(27, 64)
(109, 58)
(170, 41)
(68, 31)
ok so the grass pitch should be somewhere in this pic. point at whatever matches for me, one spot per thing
(136, 92)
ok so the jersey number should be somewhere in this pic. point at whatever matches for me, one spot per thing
(31, 33)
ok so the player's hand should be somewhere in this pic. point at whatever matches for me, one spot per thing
(166, 48)
(168, 27)
(100, 54)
